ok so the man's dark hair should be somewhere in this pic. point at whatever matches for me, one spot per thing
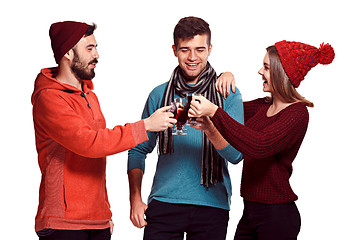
(189, 27)
(90, 30)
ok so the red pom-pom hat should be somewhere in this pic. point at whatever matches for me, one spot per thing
(298, 58)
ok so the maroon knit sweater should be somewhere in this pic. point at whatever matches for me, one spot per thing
(269, 146)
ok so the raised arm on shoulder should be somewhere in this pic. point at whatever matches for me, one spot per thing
(225, 83)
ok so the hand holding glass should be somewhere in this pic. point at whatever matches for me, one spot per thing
(202, 107)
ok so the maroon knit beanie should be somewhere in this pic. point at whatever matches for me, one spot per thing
(298, 58)
(65, 35)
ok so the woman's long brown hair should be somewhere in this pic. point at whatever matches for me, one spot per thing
(280, 82)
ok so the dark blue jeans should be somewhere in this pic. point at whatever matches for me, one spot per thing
(171, 221)
(96, 234)
(268, 222)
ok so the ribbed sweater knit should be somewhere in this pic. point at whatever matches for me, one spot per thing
(269, 145)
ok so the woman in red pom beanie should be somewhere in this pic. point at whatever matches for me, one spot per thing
(275, 127)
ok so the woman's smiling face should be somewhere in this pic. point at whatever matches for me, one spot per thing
(265, 73)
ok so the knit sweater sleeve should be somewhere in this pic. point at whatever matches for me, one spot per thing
(271, 140)
(234, 107)
(55, 116)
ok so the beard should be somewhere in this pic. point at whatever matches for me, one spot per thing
(80, 68)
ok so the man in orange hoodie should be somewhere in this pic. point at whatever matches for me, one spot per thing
(72, 140)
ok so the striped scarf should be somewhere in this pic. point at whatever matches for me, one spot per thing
(212, 162)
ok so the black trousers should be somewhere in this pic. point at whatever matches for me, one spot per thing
(268, 222)
(96, 234)
(171, 221)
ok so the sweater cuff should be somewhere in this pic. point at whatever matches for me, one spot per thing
(139, 132)
(231, 154)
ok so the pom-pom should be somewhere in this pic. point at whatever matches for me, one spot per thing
(326, 54)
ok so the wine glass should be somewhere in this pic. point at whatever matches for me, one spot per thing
(182, 107)
(192, 120)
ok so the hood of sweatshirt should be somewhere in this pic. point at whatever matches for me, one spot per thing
(46, 80)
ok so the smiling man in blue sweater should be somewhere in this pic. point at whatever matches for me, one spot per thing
(191, 189)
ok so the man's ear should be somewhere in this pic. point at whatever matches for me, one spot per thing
(69, 55)
(174, 49)
(210, 47)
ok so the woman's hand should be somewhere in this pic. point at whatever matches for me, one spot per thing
(211, 132)
(203, 124)
(200, 106)
(224, 83)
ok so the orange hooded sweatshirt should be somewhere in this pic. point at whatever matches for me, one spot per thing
(72, 142)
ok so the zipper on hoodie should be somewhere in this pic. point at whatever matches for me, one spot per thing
(88, 104)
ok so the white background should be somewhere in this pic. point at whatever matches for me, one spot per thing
(135, 39)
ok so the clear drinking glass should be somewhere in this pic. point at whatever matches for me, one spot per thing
(181, 114)
(192, 120)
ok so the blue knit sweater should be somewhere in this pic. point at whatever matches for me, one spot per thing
(177, 177)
